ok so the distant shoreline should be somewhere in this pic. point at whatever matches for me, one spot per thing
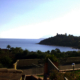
(58, 45)
(32, 45)
(62, 40)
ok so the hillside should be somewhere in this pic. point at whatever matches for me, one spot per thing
(62, 40)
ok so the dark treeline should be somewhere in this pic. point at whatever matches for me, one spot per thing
(62, 40)
(10, 55)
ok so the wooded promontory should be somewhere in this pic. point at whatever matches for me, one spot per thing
(63, 40)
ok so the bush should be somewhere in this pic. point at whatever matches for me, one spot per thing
(55, 75)
(1, 66)
(51, 57)
(6, 61)
(69, 75)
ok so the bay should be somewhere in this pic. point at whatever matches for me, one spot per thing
(31, 45)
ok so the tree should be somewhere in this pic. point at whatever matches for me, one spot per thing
(8, 46)
(57, 50)
(18, 50)
(25, 52)
(1, 66)
(6, 61)
(39, 52)
(53, 52)
(12, 48)
(48, 52)
(52, 58)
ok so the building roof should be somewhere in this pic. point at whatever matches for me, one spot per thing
(29, 62)
(69, 60)
(10, 74)
(73, 59)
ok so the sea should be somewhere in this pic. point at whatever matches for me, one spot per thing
(31, 45)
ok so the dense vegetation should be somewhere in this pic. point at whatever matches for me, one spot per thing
(10, 55)
(62, 40)
(55, 75)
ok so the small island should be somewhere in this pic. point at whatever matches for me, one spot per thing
(63, 40)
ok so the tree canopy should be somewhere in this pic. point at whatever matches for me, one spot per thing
(62, 40)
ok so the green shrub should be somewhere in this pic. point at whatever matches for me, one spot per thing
(51, 57)
(55, 75)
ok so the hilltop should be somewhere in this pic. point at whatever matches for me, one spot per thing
(62, 40)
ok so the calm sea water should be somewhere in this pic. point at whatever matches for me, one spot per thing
(31, 45)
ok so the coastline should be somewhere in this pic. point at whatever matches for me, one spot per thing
(59, 45)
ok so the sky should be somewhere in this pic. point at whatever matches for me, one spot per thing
(34, 19)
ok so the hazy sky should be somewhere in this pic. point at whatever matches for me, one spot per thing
(39, 18)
